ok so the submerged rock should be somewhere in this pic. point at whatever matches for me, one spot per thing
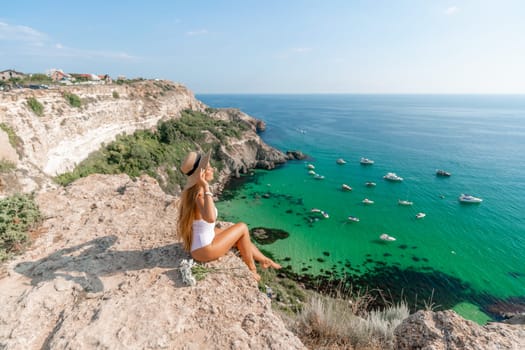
(264, 235)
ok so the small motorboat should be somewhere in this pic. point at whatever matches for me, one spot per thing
(403, 202)
(345, 187)
(467, 198)
(311, 172)
(366, 161)
(311, 166)
(370, 184)
(392, 177)
(341, 161)
(322, 212)
(367, 201)
(318, 177)
(441, 172)
(386, 237)
(353, 218)
(420, 215)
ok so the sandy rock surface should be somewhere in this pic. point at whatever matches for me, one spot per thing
(104, 274)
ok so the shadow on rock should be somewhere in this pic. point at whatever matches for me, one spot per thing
(86, 263)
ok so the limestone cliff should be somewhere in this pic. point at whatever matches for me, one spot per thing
(64, 135)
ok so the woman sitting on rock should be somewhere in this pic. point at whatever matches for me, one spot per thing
(197, 216)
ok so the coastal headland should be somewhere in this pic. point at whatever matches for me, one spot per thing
(103, 268)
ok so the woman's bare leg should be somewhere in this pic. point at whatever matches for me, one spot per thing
(238, 235)
(257, 255)
(263, 259)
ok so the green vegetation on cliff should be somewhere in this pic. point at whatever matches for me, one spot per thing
(13, 139)
(6, 166)
(157, 153)
(18, 214)
(35, 106)
(73, 100)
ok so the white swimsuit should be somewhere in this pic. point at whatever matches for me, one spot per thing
(203, 233)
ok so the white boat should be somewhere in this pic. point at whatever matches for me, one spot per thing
(386, 237)
(366, 161)
(310, 166)
(353, 218)
(392, 177)
(345, 187)
(318, 177)
(467, 198)
(370, 184)
(311, 172)
(367, 201)
(420, 215)
(322, 212)
(403, 202)
(341, 161)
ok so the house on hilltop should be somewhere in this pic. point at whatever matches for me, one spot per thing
(10, 73)
(84, 78)
(58, 75)
(106, 78)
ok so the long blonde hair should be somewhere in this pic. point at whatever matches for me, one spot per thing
(187, 215)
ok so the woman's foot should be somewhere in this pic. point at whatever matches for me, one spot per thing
(255, 275)
(270, 263)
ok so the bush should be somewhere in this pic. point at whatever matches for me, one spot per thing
(73, 100)
(6, 166)
(13, 139)
(39, 78)
(336, 324)
(35, 106)
(18, 214)
(116, 94)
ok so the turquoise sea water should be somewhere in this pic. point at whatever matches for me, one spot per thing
(471, 256)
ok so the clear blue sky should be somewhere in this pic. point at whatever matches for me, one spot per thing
(276, 46)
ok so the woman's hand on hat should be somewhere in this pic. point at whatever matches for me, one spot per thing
(202, 179)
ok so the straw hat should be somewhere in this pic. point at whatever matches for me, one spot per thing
(191, 166)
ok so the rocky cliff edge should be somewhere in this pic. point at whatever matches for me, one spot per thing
(104, 274)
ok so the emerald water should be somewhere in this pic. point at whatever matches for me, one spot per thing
(470, 255)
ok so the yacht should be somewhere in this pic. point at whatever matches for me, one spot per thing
(353, 218)
(403, 202)
(367, 201)
(370, 184)
(392, 177)
(310, 166)
(386, 237)
(467, 198)
(345, 187)
(366, 161)
(420, 215)
(322, 212)
(318, 177)
(341, 161)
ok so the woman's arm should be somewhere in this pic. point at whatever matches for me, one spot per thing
(205, 200)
